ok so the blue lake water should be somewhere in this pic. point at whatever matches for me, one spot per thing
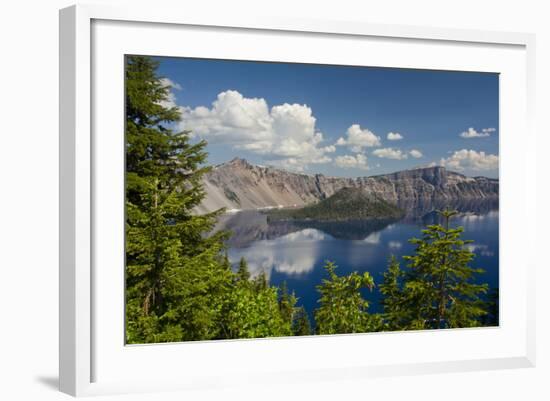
(296, 253)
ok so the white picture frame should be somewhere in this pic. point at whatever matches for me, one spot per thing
(92, 353)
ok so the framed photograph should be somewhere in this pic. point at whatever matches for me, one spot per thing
(273, 200)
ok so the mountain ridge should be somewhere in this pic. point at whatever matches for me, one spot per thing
(240, 185)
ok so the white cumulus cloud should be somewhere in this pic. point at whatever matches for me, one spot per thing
(416, 153)
(465, 159)
(171, 100)
(349, 161)
(394, 136)
(357, 139)
(390, 153)
(284, 135)
(472, 133)
(170, 83)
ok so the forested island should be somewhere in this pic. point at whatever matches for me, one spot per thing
(346, 204)
(181, 286)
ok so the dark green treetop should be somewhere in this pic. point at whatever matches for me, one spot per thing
(395, 313)
(243, 275)
(438, 289)
(342, 308)
(301, 325)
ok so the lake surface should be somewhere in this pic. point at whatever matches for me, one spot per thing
(296, 253)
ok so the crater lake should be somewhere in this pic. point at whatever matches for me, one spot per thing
(295, 252)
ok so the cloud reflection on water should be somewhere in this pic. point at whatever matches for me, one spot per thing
(293, 254)
(395, 244)
(295, 251)
(373, 238)
(481, 249)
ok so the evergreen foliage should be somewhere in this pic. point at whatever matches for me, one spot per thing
(173, 278)
(243, 274)
(342, 308)
(394, 310)
(287, 304)
(438, 289)
(301, 325)
(179, 284)
(492, 307)
(251, 314)
(260, 281)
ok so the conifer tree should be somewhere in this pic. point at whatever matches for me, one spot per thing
(394, 312)
(301, 325)
(286, 304)
(225, 261)
(492, 307)
(342, 308)
(253, 312)
(243, 275)
(260, 281)
(174, 281)
(439, 289)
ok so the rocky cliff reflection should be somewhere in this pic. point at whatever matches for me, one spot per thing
(249, 225)
(425, 211)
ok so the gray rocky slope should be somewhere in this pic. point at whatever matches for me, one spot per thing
(238, 184)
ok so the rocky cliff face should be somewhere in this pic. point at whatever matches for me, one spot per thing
(240, 185)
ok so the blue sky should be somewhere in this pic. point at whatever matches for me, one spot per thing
(337, 120)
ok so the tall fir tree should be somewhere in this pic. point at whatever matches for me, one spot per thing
(394, 313)
(286, 304)
(439, 289)
(260, 281)
(174, 280)
(243, 275)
